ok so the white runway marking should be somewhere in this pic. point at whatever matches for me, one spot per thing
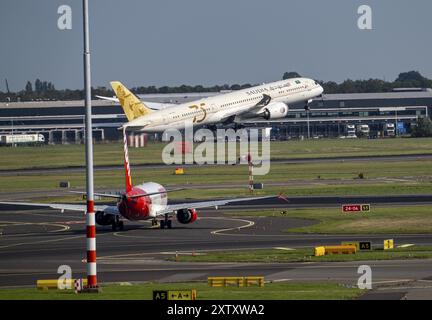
(218, 232)
(17, 223)
(280, 280)
(406, 245)
(39, 242)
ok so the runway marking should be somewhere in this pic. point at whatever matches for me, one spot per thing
(279, 280)
(248, 224)
(21, 212)
(398, 180)
(116, 256)
(218, 232)
(185, 253)
(403, 288)
(122, 256)
(314, 265)
(284, 248)
(406, 245)
(392, 281)
(39, 242)
(323, 236)
(423, 280)
(18, 223)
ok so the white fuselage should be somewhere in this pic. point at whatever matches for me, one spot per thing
(241, 104)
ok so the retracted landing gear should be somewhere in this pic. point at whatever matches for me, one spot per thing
(166, 223)
(117, 224)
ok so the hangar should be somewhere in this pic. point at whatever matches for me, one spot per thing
(63, 121)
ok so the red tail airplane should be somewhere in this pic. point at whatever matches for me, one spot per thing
(142, 202)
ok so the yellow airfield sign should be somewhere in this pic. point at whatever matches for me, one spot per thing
(174, 294)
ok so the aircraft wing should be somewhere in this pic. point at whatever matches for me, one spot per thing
(207, 204)
(256, 110)
(253, 110)
(151, 105)
(63, 206)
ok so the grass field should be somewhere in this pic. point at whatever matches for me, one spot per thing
(49, 156)
(289, 191)
(390, 220)
(326, 178)
(306, 255)
(283, 291)
(299, 179)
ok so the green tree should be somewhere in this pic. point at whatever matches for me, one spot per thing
(412, 79)
(29, 87)
(38, 86)
(289, 75)
(410, 76)
(423, 128)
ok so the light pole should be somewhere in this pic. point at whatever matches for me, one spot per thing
(90, 216)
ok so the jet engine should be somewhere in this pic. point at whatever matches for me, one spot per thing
(186, 216)
(104, 219)
(275, 111)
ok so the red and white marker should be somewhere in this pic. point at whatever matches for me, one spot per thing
(249, 157)
(91, 246)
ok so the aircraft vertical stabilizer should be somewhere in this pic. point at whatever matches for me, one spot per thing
(132, 106)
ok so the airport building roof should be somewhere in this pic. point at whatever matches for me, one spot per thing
(53, 104)
(367, 100)
(328, 100)
(379, 95)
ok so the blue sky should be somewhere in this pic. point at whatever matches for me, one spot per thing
(173, 42)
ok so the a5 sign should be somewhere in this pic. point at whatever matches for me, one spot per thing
(356, 208)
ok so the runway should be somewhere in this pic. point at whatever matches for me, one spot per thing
(34, 243)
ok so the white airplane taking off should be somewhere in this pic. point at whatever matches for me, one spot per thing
(268, 101)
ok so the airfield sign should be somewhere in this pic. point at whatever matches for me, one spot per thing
(356, 208)
(174, 294)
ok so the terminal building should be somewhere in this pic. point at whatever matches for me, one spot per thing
(328, 116)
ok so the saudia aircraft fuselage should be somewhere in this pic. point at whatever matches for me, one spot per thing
(268, 101)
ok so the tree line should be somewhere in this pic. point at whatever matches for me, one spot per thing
(45, 90)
